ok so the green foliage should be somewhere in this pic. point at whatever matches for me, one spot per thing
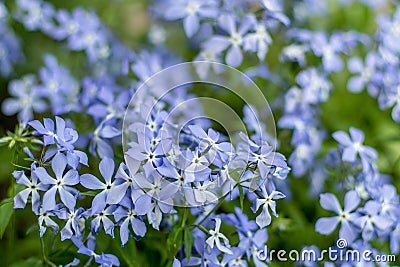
(6, 212)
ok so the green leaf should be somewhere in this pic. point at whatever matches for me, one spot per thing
(30, 262)
(241, 197)
(6, 200)
(33, 228)
(89, 193)
(129, 254)
(188, 243)
(236, 174)
(6, 212)
(174, 241)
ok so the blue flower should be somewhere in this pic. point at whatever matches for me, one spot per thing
(127, 216)
(367, 74)
(108, 260)
(101, 219)
(328, 49)
(64, 137)
(216, 237)
(391, 98)
(389, 33)
(371, 221)
(58, 86)
(73, 225)
(44, 218)
(353, 146)
(395, 239)
(124, 181)
(89, 181)
(10, 49)
(258, 41)
(266, 201)
(35, 14)
(233, 42)
(191, 11)
(314, 85)
(32, 188)
(60, 184)
(61, 135)
(347, 229)
(27, 99)
(149, 150)
(155, 199)
(218, 153)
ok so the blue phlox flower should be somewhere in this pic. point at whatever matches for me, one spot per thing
(330, 48)
(346, 218)
(74, 225)
(26, 99)
(196, 166)
(10, 48)
(206, 258)
(33, 186)
(216, 237)
(44, 217)
(35, 15)
(149, 150)
(156, 198)
(233, 42)
(267, 202)
(124, 181)
(251, 241)
(294, 53)
(51, 134)
(258, 41)
(61, 183)
(395, 239)
(83, 31)
(127, 216)
(265, 158)
(192, 12)
(391, 98)
(89, 181)
(371, 221)
(314, 85)
(110, 105)
(149, 63)
(58, 86)
(366, 74)
(102, 219)
(105, 260)
(64, 137)
(389, 200)
(353, 146)
(217, 152)
(204, 192)
(234, 259)
(389, 31)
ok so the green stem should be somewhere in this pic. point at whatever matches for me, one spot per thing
(203, 229)
(185, 216)
(44, 257)
(223, 197)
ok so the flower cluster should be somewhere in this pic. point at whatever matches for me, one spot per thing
(370, 201)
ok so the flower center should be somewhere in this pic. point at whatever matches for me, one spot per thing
(236, 39)
(192, 8)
